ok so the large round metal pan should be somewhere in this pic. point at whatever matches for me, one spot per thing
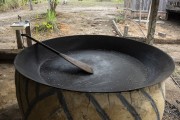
(119, 64)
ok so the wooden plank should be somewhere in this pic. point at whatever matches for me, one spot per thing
(145, 21)
(156, 40)
(162, 41)
(8, 54)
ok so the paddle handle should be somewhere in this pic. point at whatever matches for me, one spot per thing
(73, 61)
(44, 45)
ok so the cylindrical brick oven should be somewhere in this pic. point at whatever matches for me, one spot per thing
(49, 88)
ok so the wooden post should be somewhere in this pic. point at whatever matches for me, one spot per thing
(152, 21)
(126, 27)
(28, 32)
(19, 27)
(19, 39)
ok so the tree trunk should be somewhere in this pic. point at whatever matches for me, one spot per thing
(152, 21)
(53, 5)
(49, 2)
(4, 1)
(30, 5)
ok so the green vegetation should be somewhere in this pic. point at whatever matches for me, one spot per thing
(14, 4)
(49, 24)
(120, 19)
(51, 16)
(9, 4)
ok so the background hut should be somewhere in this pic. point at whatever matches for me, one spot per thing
(132, 7)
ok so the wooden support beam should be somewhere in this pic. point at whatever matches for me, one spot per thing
(8, 54)
(156, 41)
(152, 21)
(28, 32)
(19, 39)
(126, 28)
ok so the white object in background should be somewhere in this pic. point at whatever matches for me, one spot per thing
(20, 25)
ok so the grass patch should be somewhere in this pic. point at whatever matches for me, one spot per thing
(9, 4)
(49, 24)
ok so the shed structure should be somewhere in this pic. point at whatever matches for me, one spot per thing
(133, 7)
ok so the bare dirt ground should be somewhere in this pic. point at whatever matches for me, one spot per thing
(72, 20)
(8, 104)
(172, 49)
(170, 28)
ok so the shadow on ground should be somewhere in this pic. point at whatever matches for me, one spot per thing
(10, 113)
